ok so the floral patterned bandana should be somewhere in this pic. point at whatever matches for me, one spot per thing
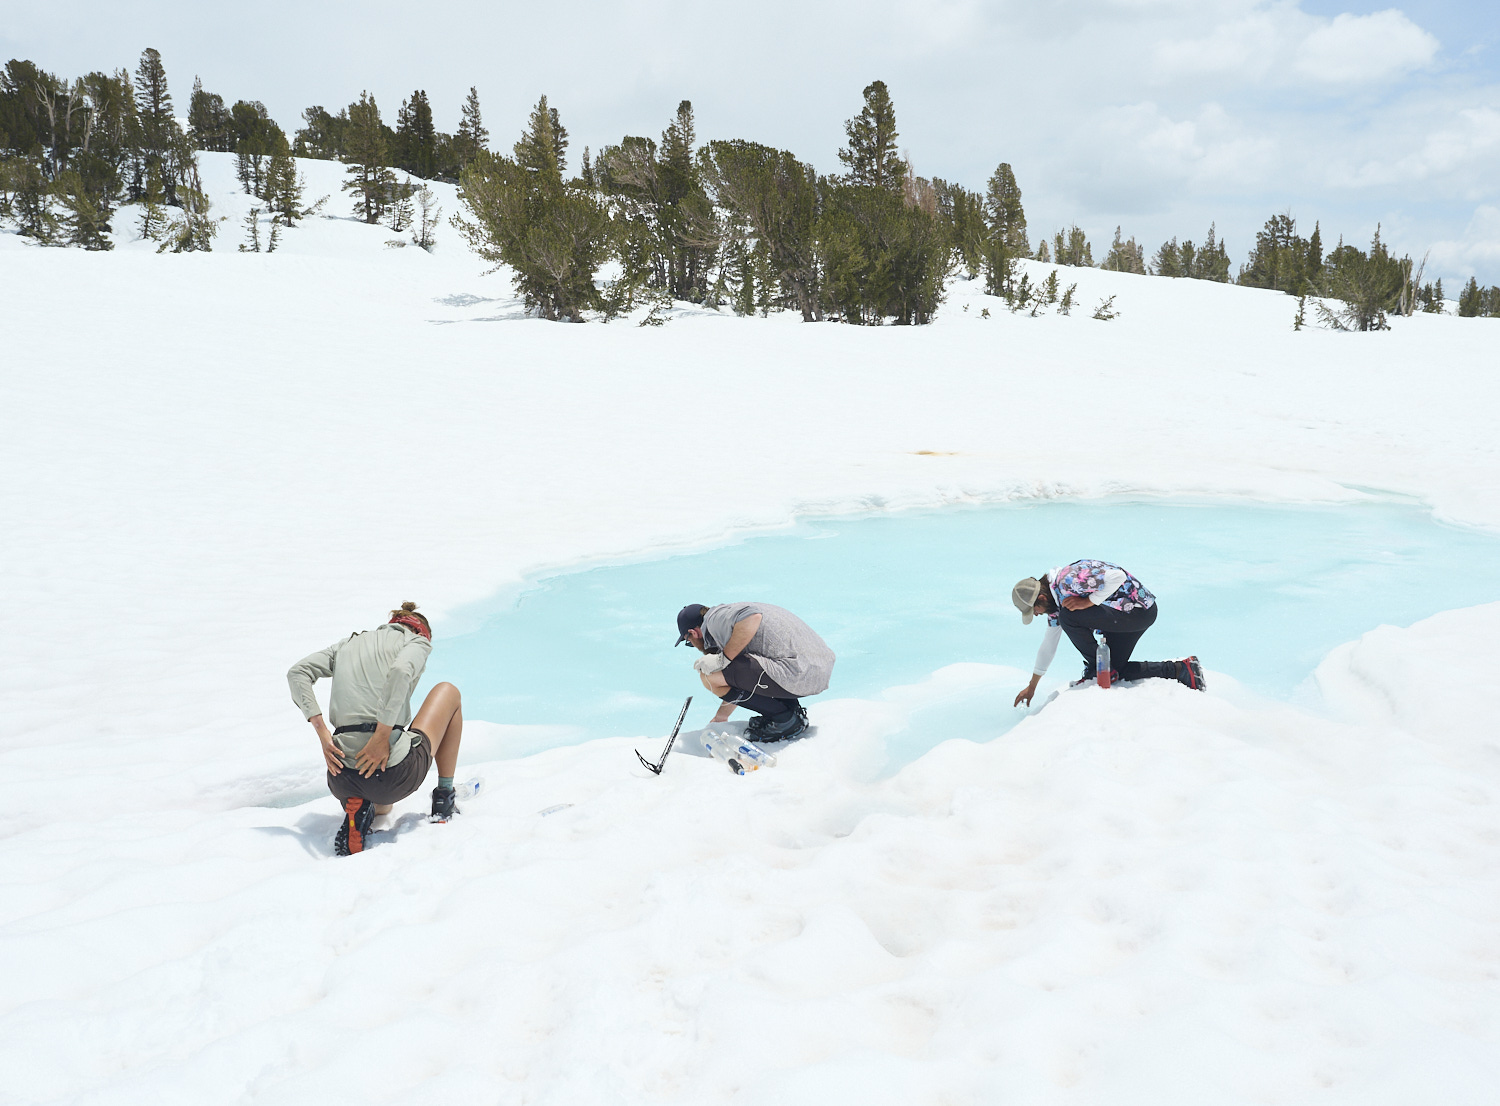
(412, 622)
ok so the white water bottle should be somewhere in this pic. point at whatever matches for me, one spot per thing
(1101, 662)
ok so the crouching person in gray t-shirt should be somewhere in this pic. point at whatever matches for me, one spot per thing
(378, 754)
(759, 657)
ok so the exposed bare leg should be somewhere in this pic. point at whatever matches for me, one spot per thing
(384, 808)
(442, 720)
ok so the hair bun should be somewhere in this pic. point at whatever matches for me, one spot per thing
(408, 606)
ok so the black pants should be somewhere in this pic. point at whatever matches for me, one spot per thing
(1122, 629)
(751, 688)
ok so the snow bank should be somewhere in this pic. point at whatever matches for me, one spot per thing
(219, 462)
(1143, 895)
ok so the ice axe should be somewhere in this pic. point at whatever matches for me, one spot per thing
(656, 768)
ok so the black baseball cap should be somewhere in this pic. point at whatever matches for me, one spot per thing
(689, 618)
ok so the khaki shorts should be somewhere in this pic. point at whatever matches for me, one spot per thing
(390, 785)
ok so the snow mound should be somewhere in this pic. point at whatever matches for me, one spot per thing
(1137, 895)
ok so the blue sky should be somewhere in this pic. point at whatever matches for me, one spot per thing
(1156, 115)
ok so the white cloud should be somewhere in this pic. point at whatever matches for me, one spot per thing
(1280, 44)
(1477, 251)
(1355, 49)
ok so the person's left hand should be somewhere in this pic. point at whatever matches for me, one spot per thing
(1077, 602)
(373, 757)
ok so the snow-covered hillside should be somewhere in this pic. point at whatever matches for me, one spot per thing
(218, 462)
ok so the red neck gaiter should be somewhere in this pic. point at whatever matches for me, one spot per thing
(412, 623)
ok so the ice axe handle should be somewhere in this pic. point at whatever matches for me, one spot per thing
(656, 769)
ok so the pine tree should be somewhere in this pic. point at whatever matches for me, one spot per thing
(1005, 240)
(871, 156)
(1367, 285)
(208, 119)
(275, 239)
(324, 135)
(424, 229)
(471, 136)
(775, 198)
(284, 187)
(31, 200)
(554, 236)
(1168, 260)
(400, 212)
(1007, 217)
(538, 149)
(252, 232)
(192, 229)
(153, 217)
(157, 126)
(84, 221)
(1212, 260)
(961, 215)
(1282, 261)
(1071, 247)
(366, 152)
(1471, 300)
(416, 137)
(1125, 256)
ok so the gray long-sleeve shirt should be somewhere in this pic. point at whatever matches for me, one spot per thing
(374, 674)
(792, 654)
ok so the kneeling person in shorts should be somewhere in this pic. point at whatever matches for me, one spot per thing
(760, 657)
(378, 754)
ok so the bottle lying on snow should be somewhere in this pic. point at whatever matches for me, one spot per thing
(735, 751)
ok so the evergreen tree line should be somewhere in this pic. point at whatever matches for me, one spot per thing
(722, 223)
(72, 151)
(736, 223)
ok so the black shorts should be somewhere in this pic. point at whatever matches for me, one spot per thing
(746, 676)
(390, 785)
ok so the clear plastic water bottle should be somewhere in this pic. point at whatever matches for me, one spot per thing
(1101, 662)
(469, 788)
(735, 751)
(753, 756)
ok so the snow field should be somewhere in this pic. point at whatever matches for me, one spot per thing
(218, 463)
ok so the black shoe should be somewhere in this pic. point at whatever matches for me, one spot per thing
(757, 725)
(444, 803)
(1190, 673)
(350, 839)
(783, 727)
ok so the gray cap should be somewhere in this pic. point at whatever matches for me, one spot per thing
(1023, 595)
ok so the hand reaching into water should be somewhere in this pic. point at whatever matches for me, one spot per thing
(1025, 694)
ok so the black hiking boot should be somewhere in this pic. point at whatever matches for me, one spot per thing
(444, 804)
(1190, 673)
(782, 727)
(351, 837)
